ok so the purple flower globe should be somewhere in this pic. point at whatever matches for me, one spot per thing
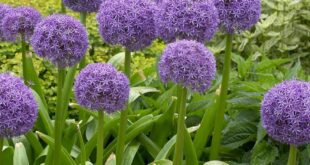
(60, 39)
(129, 23)
(188, 63)
(4, 9)
(285, 112)
(186, 19)
(101, 87)
(18, 107)
(20, 21)
(238, 15)
(83, 5)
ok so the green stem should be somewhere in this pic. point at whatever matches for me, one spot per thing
(123, 121)
(30, 76)
(67, 91)
(24, 59)
(127, 63)
(82, 146)
(293, 155)
(63, 7)
(59, 116)
(179, 147)
(100, 137)
(83, 16)
(1, 147)
(219, 118)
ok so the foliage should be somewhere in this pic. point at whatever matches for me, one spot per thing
(275, 50)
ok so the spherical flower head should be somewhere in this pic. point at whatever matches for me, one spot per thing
(285, 112)
(60, 39)
(18, 107)
(188, 63)
(186, 19)
(83, 5)
(129, 23)
(238, 15)
(101, 87)
(19, 22)
(4, 9)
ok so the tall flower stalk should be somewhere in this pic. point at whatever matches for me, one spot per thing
(62, 7)
(285, 115)
(179, 146)
(191, 66)
(219, 118)
(232, 22)
(59, 114)
(292, 159)
(64, 50)
(123, 121)
(101, 87)
(100, 139)
(25, 19)
(134, 31)
(83, 17)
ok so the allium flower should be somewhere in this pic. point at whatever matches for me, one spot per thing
(129, 23)
(18, 107)
(238, 15)
(158, 1)
(83, 5)
(20, 21)
(4, 9)
(102, 87)
(60, 39)
(188, 63)
(186, 19)
(286, 112)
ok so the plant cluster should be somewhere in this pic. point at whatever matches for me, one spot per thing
(179, 109)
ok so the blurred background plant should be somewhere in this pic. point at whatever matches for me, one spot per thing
(278, 48)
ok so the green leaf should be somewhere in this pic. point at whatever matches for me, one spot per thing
(133, 131)
(111, 160)
(20, 155)
(65, 156)
(264, 153)
(267, 64)
(117, 60)
(162, 162)
(215, 162)
(190, 152)
(166, 150)
(130, 152)
(261, 133)
(239, 133)
(270, 20)
(43, 114)
(293, 72)
(136, 92)
(7, 155)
